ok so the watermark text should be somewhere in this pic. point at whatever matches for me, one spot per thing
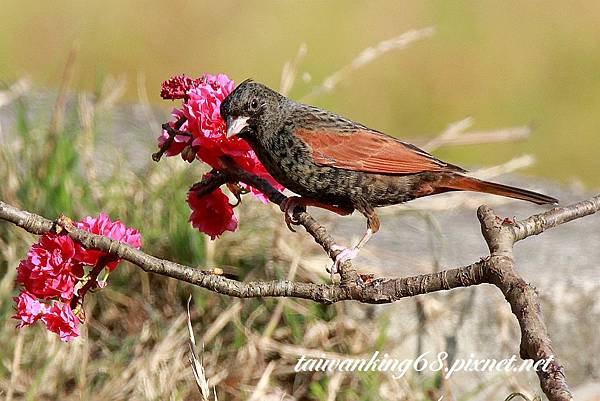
(425, 362)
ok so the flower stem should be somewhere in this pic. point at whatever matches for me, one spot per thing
(91, 283)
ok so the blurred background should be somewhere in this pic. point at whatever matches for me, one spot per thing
(503, 63)
(79, 115)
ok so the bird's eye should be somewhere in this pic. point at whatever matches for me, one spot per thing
(254, 104)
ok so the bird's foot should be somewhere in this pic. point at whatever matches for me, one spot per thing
(345, 255)
(288, 206)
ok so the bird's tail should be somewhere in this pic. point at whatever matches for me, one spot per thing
(464, 183)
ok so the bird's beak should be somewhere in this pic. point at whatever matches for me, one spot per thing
(236, 125)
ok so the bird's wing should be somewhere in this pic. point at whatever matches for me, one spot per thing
(370, 151)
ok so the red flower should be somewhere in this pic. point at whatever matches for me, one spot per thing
(208, 142)
(176, 87)
(29, 309)
(202, 111)
(50, 270)
(53, 267)
(212, 214)
(102, 225)
(60, 319)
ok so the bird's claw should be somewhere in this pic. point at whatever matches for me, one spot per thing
(289, 220)
(345, 255)
(287, 207)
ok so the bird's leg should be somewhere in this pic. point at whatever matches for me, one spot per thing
(350, 253)
(289, 204)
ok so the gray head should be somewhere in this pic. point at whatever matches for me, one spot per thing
(251, 104)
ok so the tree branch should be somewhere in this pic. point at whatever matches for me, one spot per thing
(523, 298)
(383, 290)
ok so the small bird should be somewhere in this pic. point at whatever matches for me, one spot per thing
(340, 165)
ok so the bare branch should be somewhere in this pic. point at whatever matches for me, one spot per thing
(377, 291)
(500, 236)
(539, 223)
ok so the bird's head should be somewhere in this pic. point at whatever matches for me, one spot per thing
(249, 105)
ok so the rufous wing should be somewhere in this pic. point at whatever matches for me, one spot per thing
(370, 151)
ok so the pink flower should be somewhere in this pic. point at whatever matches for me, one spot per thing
(212, 214)
(102, 225)
(60, 319)
(50, 270)
(201, 109)
(29, 309)
(53, 267)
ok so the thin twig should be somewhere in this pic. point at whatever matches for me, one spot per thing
(369, 54)
(56, 120)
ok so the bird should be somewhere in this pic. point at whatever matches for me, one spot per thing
(334, 163)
